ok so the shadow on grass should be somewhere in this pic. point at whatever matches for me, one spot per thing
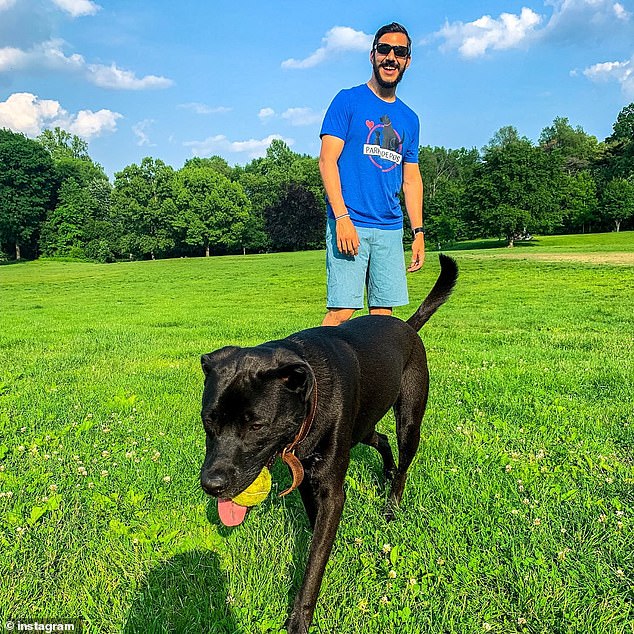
(298, 524)
(492, 243)
(12, 262)
(185, 594)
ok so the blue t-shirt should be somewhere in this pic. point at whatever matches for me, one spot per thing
(378, 137)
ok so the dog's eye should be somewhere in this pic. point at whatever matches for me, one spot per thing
(256, 426)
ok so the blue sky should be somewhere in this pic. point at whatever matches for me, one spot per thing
(179, 79)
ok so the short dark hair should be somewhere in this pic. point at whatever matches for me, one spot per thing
(394, 27)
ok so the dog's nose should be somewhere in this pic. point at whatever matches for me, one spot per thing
(214, 484)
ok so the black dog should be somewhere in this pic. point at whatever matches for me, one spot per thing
(310, 398)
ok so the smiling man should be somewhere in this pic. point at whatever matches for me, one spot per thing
(369, 152)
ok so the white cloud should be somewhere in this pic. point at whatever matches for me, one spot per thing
(27, 113)
(621, 72)
(474, 39)
(294, 116)
(119, 79)
(220, 144)
(302, 116)
(88, 124)
(620, 12)
(266, 113)
(6, 4)
(574, 21)
(49, 56)
(12, 58)
(140, 131)
(337, 40)
(201, 108)
(578, 20)
(77, 8)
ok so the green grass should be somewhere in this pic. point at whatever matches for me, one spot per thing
(517, 516)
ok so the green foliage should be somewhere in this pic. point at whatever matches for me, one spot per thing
(64, 145)
(142, 208)
(575, 148)
(618, 201)
(446, 178)
(515, 189)
(209, 210)
(297, 221)
(27, 182)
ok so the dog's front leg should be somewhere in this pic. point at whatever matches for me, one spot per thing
(329, 500)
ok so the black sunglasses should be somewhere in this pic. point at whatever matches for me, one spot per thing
(384, 49)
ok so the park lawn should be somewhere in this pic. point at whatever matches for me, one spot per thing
(517, 515)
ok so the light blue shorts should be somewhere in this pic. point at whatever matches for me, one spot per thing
(379, 267)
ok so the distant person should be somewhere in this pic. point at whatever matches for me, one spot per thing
(369, 152)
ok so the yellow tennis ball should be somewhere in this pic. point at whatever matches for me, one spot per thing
(257, 491)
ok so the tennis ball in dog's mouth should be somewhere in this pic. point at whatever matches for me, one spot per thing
(257, 491)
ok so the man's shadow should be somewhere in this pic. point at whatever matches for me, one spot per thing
(185, 594)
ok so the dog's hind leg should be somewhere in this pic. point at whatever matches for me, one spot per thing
(381, 444)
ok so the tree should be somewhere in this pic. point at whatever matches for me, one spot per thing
(141, 211)
(216, 163)
(61, 144)
(296, 222)
(618, 159)
(266, 180)
(516, 188)
(579, 201)
(78, 220)
(576, 149)
(446, 175)
(27, 181)
(617, 201)
(209, 210)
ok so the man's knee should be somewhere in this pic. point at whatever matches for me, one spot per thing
(336, 316)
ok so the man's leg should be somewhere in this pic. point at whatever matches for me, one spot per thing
(345, 279)
(387, 284)
(380, 311)
(336, 316)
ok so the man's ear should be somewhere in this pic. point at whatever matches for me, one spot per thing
(213, 359)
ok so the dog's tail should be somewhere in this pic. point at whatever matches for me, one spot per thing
(438, 295)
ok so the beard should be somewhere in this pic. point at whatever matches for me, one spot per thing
(387, 84)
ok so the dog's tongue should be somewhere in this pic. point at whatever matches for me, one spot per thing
(230, 513)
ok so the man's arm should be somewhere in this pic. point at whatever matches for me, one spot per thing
(347, 238)
(413, 193)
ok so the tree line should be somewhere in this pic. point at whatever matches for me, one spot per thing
(55, 201)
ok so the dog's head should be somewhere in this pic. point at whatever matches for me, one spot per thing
(254, 402)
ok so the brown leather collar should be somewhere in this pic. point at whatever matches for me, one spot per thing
(288, 453)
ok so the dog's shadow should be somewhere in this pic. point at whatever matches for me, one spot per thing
(186, 593)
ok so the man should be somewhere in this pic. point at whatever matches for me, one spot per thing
(369, 151)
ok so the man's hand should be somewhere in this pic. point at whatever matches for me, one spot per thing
(347, 237)
(418, 253)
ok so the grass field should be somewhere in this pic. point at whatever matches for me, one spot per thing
(517, 516)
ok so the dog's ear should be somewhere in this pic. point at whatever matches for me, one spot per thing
(213, 359)
(297, 377)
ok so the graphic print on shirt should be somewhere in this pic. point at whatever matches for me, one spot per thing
(384, 146)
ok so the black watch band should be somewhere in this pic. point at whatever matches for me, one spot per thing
(418, 230)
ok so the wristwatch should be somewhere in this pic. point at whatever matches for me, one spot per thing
(416, 230)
